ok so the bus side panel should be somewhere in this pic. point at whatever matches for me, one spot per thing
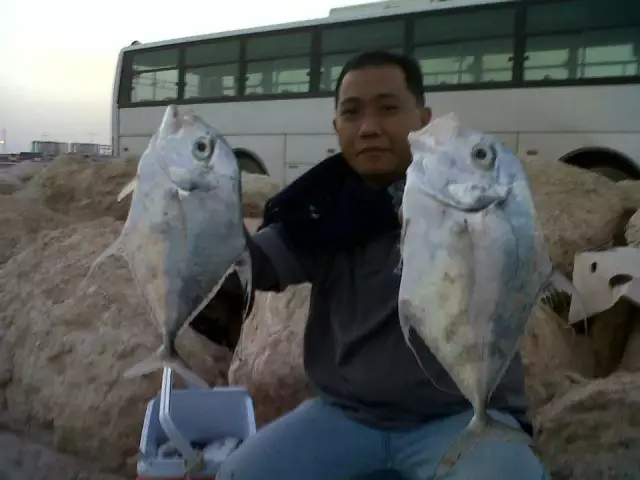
(304, 151)
(554, 146)
(268, 148)
(134, 145)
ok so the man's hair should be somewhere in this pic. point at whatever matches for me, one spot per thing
(383, 58)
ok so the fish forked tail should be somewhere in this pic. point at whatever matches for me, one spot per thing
(472, 434)
(160, 359)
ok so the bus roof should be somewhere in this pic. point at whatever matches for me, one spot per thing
(354, 12)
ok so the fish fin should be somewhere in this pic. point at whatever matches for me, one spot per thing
(475, 431)
(244, 269)
(160, 359)
(115, 249)
(128, 188)
(209, 296)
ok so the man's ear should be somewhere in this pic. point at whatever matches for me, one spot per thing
(425, 116)
(335, 127)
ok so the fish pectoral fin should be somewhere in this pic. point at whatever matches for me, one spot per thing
(160, 359)
(472, 434)
(128, 188)
(243, 266)
(115, 249)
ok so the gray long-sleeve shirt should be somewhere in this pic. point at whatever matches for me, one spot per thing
(354, 351)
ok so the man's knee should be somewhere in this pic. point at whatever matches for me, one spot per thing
(493, 459)
(237, 466)
(314, 442)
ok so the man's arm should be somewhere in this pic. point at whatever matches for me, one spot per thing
(275, 265)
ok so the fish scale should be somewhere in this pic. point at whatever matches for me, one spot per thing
(475, 264)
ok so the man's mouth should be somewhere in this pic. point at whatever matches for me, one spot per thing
(373, 150)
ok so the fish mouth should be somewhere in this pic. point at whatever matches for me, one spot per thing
(187, 182)
(472, 197)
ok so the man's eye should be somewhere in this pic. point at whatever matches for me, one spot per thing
(389, 108)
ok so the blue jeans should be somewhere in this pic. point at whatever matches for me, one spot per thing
(318, 442)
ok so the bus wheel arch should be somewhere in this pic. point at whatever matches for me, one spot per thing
(250, 162)
(608, 162)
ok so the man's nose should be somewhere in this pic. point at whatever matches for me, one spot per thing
(370, 126)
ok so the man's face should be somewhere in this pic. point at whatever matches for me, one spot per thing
(375, 113)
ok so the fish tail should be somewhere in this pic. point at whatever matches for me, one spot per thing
(160, 359)
(476, 430)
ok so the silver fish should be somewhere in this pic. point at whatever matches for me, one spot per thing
(474, 264)
(184, 233)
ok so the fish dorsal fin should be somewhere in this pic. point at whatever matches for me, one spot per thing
(128, 188)
(438, 131)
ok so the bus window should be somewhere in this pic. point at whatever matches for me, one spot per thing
(582, 39)
(212, 69)
(457, 26)
(581, 15)
(610, 53)
(458, 48)
(278, 64)
(342, 42)
(154, 75)
(593, 54)
(464, 63)
(547, 58)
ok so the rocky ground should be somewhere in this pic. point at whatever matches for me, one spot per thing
(67, 413)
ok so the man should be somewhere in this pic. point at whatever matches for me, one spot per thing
(337, 228)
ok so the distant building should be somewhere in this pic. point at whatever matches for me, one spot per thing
(85, 148)
(49, 148)
(106, 150)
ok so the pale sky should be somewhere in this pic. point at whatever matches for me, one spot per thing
(57, 59)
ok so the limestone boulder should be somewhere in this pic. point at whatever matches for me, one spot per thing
(63, 349)
(23, 459)
(579, 209)
(80, 187)
(268, 359)
(25, 170)
(632, 231)
(549, 375)
(593, 430)
(22, 220)
(256, 190)
(8, 185)
(13, 178)
(629, 190)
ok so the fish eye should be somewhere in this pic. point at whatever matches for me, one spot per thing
(484, 155)
(203, 148)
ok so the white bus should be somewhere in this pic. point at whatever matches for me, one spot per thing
(553, 78)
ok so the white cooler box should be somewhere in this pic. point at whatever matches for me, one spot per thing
(199, 417)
